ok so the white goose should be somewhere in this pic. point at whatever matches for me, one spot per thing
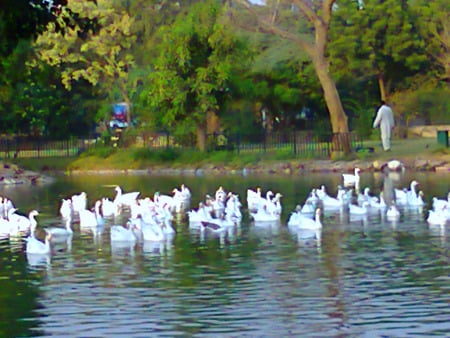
(22, 223)
(5, 228)
(109, 208)
(311, 202)
(152, 233)
(440, 204)
(265, 214)
(233, 207)
(125, 199)
(301, 221)
(181, 198)
(66, 208)
(311, 224)
(393, 213)
(90, 219)
(333, 203)
(59, 233)
(354, 209)
(121, 234)
(413, 198)
(5, 205)
(79, 202)
(436, 217)
(254, 198)
(401, 196)
(202, 214)
(351, 179)
(35, 246)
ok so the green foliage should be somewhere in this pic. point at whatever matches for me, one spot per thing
(376, 39)
(432, 20)
(428, 101)
(363, 123)
(197, 59)
(91, 41)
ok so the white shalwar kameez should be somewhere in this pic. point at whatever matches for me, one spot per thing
(385, 119)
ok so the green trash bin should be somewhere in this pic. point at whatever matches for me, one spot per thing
(442, 137)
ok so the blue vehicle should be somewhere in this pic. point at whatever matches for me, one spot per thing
(119, 118)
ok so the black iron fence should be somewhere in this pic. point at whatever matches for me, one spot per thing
(296, 143)
(26, 147)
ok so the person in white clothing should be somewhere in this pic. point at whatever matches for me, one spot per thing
(385, 119)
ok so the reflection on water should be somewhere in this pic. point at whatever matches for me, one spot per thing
(360, 276)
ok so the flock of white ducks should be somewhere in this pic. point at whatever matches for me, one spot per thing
(150, 219)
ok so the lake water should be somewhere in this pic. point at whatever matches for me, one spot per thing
(364, 278)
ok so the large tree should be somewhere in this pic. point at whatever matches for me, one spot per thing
(191, 75)
(90, 40)
(286, 20)
(374, 39)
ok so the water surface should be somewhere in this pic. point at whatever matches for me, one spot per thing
(364, 278)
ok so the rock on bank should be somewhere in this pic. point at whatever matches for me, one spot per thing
(11, 174)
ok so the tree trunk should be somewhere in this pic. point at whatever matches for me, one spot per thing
(381, 86)
(201, 137)
(337, 115)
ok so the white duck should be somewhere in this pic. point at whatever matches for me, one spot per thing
(351, 179)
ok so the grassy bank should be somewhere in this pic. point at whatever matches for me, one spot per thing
(141, 158)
